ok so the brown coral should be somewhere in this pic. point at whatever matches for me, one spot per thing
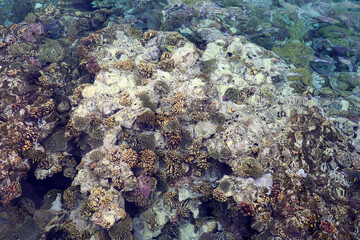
(130, 157)
(70, 197)
(165, 55)
(46, 163)
(125, 65)
(182, 209)
(110, 122)
(144, 69)
(219, 195)
(147, 161)
(178, 102)
(125, 100)
(35, 112)
(122, 230)
(149, 34)
(118, 184)
(203, 188)
(147, 117)
(98, 198)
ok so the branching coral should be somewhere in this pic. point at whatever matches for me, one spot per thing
(125, 65)
(99, 198)
(147, 160)
(130, 157)
(145, 70)
(219, 195)
(122, 229)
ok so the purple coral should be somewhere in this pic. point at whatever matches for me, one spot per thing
(145, 185)
(33, 29)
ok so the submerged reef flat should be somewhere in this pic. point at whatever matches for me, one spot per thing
(127, 122)
(184, 130)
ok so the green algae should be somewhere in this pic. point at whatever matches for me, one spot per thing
(300, 74)
(296, 52)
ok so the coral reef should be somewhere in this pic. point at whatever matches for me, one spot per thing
(158, 137)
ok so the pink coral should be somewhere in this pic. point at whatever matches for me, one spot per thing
(33, 29)
(327, 226)
(35, 62)
(245, 208)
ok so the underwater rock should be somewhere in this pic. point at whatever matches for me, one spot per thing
(323, 65)
(344, 83)
(51, 51)
(57, 141)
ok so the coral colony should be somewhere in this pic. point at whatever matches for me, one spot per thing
(220, 120)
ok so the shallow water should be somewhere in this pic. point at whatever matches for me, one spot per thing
(221, 119)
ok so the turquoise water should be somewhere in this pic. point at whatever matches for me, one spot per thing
(217, 119)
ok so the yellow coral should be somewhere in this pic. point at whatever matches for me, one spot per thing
(219, 195)
(110, 122)
(125, 65)
(98, 198)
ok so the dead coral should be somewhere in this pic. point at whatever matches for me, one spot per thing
(147, 140)
(80, 123)
(174, 39)
(113, 154)
(96, 155)
(249, 167)
(130, 157)
(166, 65)
(77, 94)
